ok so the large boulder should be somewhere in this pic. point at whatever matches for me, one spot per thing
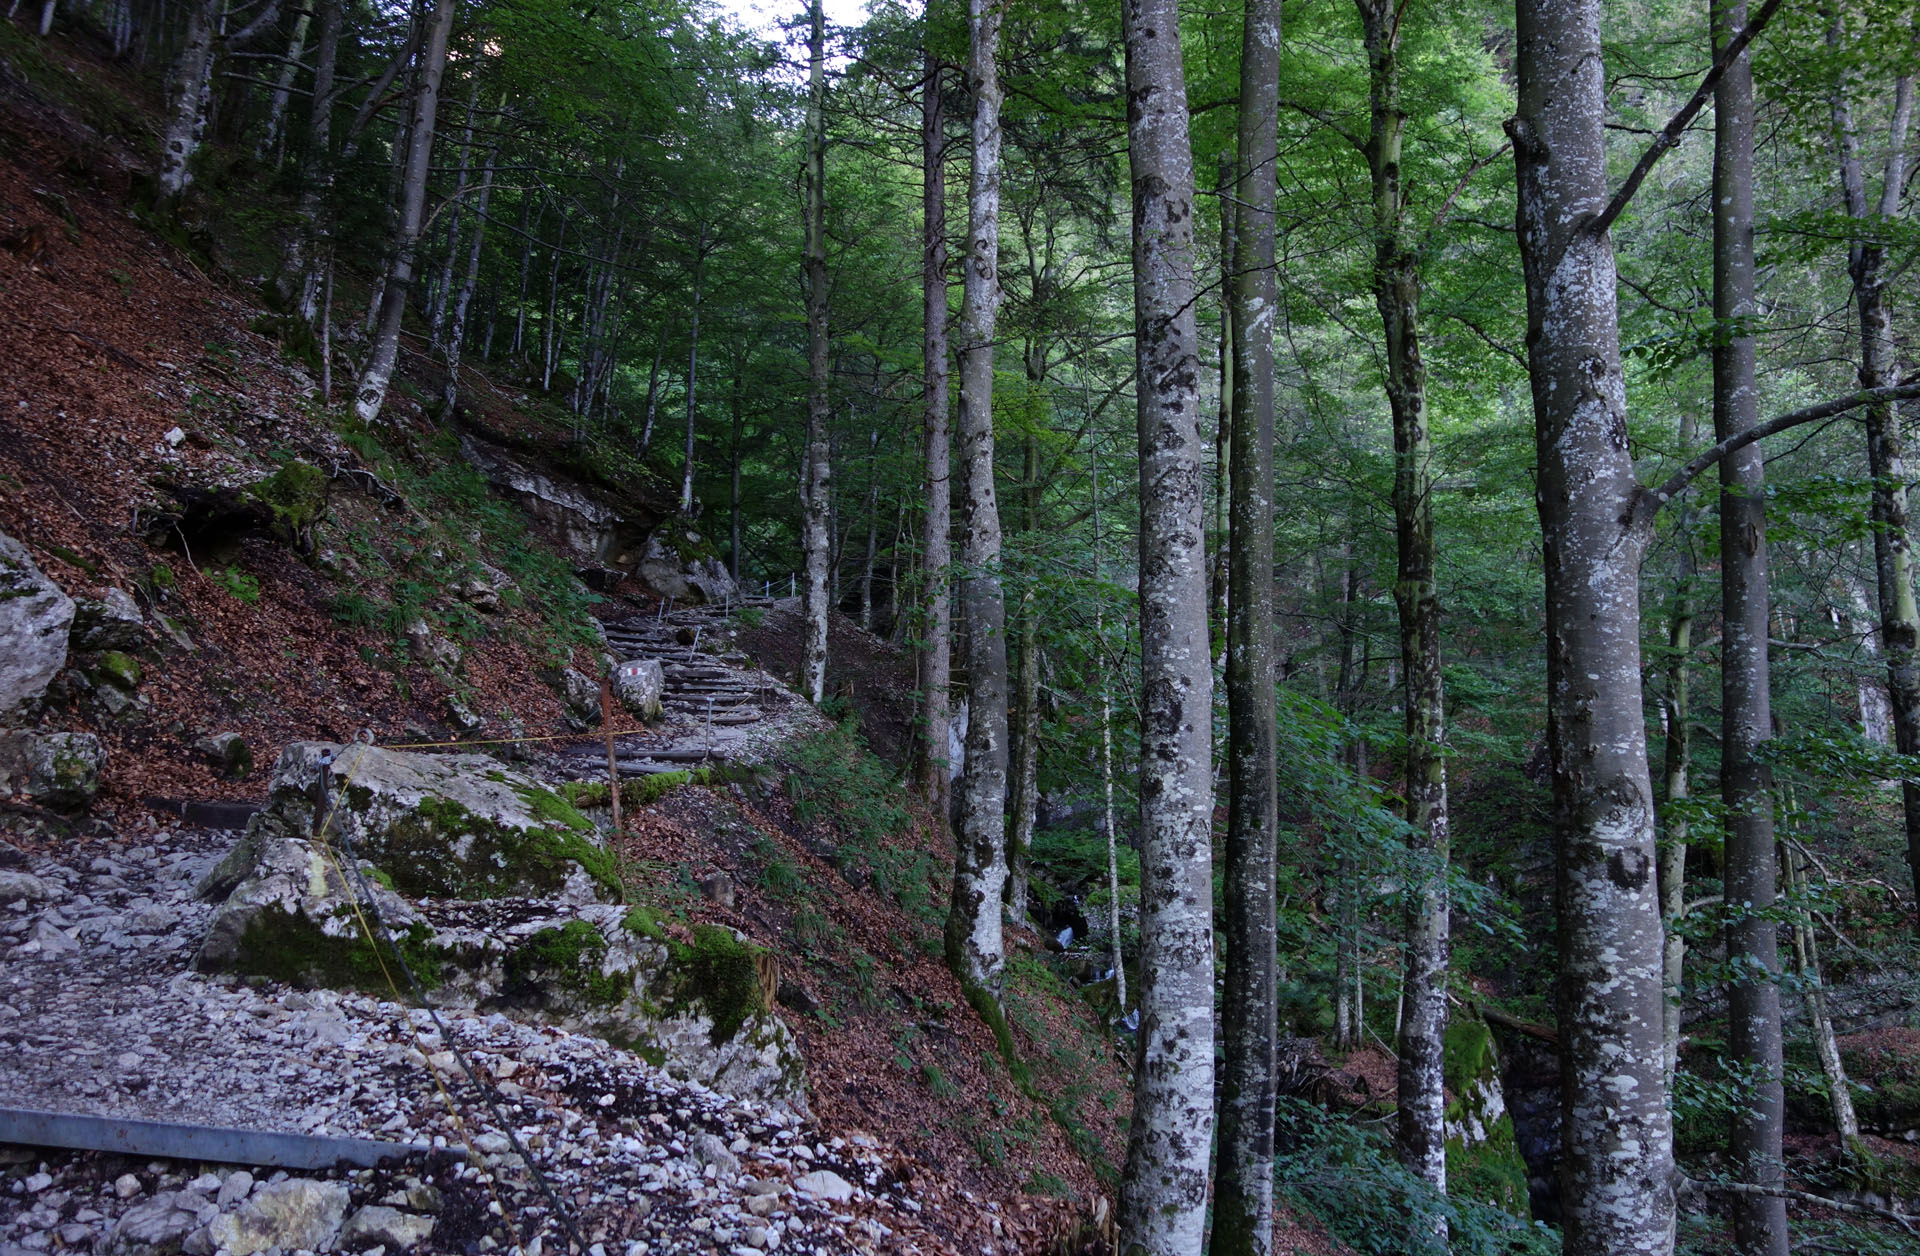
(452, 825)
(35, 616)
(641, 685)
(110, 622)
(59, 771)
(677, 564)
(294, 1215)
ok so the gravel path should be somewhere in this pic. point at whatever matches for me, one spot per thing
(102, 1014)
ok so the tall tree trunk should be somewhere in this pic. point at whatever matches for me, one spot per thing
(1870, 690)
(976, 948)
(371, 392)
(273, 135)
(550, 323)
(1746, 722)
(527, 233)
(693, 371)
(1023, 778)
(1617, 1133)
(653, 386)
(1421, 1131)
(310, 241)
(189, 85)
(1221, 525)
(465, 298)
(1886, 456)
(873, 529)
(816, 538)
(936, 665)
(442, 296)
(1243, 1196)
(1677, 767)
(737, 405)
(1106, 750)
(1164, 1184)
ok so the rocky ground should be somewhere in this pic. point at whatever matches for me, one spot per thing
(103, 1014)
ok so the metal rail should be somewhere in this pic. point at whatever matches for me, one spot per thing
(211, 1143)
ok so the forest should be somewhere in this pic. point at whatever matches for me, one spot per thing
(1393, 516)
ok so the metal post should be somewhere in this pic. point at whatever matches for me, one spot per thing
(613, 769)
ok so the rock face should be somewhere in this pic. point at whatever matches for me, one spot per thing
(597, 528)
(681, 572)
(35, 616)
(111, 622)
(452, 826)
(60, 771)
(296, 1214)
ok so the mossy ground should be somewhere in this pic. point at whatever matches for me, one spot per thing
(295, 950)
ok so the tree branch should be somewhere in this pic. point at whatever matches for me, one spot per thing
(1670, 134)
(1905, 1220)
(1651, 500)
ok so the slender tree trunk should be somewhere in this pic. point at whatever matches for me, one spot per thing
(1164, 1184)
(1886, 455)
(189, 85)
(873, 529)
(461, 303)
(816, 538)
(653, 387)
(1806, 957)
(273, 135)
(550, 324)
(456, 208)
(693, 373)
(1421, 1132)
(1222, 528)
(737, 404)
(1677, 768)
(935, 656)
(976, 947)
(1023, 778)
(1106, 750)
(384, 354)
(1617, 1136)
(1870, 690)
(1756, 1119)
(1243, 1195)
(311, 239)
(526, 265)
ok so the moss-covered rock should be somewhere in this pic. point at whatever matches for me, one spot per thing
(295, 497)
(444, 826)
(118, 669)
(60, 771)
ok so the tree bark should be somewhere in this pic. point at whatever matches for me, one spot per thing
(1220, 523)
(816, 470)
(1617, 1134)
(273, 135)
(873, 529)
(1243, 1196)
(1024, 763)
(464, 301)
(1886, 454)
(1757, 1117)
(1106, 749)
(936, 665)
(1677, 769)
(189, 84)
(1421, 1129)
(371, 392)
(976, 947)
(737, 406)
(456, 207)
(693, 371)
(1164, 1183)
(1806, 956)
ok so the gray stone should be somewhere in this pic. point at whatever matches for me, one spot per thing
(60, 771)
(111, 622)
(430, 648)
(154, 1227)
(18, 885)
(708, 1149)
(126, 1186)
(296, 1213)
(53, 942)
(581, 692)
(824, 1184)
(462, 715)
(641, 684)
(683, 574)
(228, 752)
(388, 1226)
(236, 1188)
(35, 615)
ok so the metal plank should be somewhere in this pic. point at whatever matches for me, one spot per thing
(213, 1144)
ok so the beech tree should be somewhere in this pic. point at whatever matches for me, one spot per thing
(1163, 1188)
(816, 465)
(936, 652)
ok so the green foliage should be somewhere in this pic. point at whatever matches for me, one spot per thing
(238, 584)
(572, 956)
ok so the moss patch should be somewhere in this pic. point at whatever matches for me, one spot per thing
(642, 921)
(120, 669)
(296, 495)
(570, 956)
(417, 850)
(295, 950)
(720, 973)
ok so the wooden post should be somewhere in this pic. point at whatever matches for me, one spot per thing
(613, 770)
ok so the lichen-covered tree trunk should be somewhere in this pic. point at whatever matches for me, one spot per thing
(1756, 1119)
(1886, 454)
(1420, 1135)
(693, 372)
(371, 391)
(976, 947)
(936, 664)
(1164, 1184)
(1243, 1196)
(1617, 1133)
(816, 467)
(1106, 752)
(1806, 962)
(189, 84)
(273, 134)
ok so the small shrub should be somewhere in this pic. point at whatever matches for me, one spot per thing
(237, 583)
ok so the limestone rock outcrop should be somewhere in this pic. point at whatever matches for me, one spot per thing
(35, 616)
